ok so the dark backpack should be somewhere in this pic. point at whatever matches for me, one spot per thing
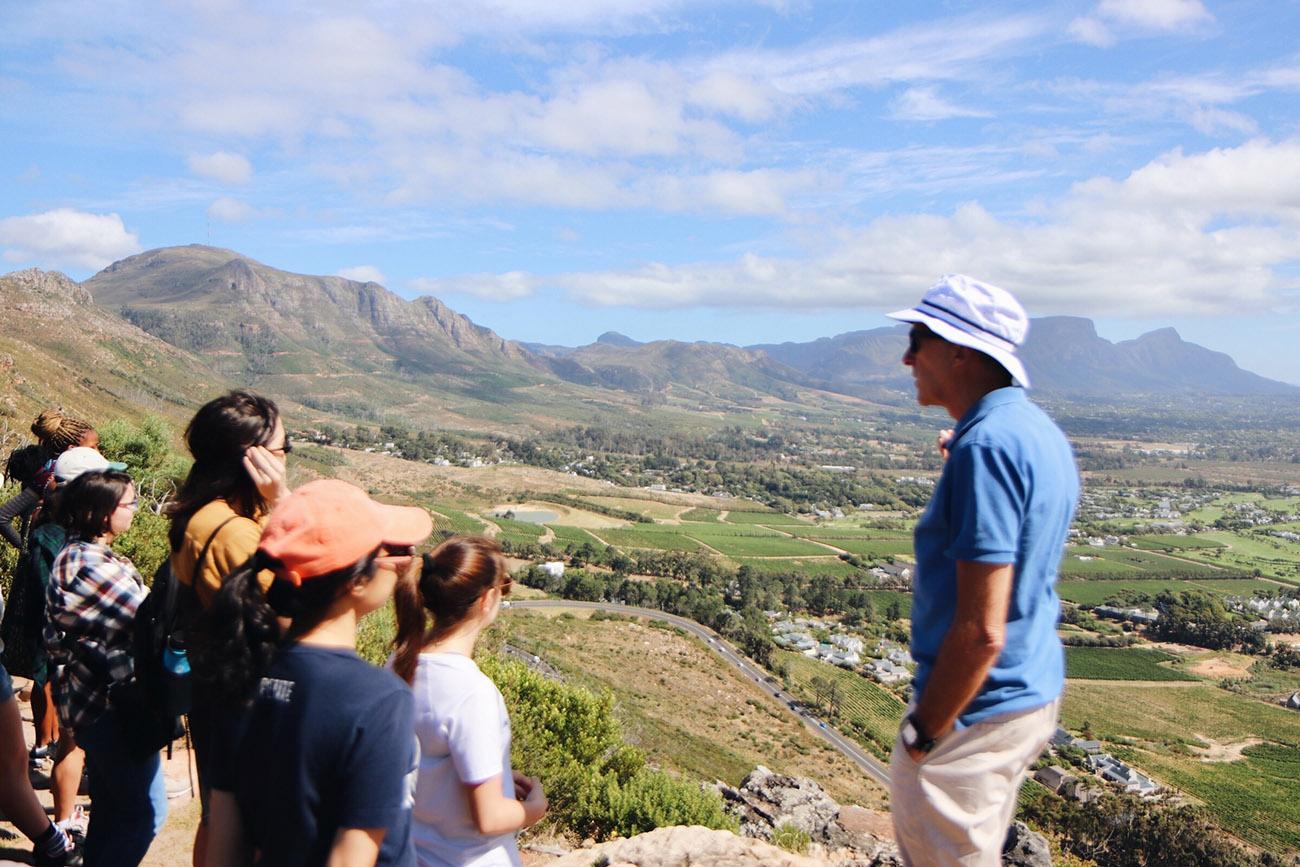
(160, 691)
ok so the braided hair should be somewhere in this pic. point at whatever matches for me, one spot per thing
(57, 432)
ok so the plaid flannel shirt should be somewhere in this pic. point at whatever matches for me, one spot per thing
(92, 598)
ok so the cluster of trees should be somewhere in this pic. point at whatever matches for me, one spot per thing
(1126, 831)
(1197, 618)
(730, 601)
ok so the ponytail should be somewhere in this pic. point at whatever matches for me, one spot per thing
(452, 578)
(240, 631)
(238, 635)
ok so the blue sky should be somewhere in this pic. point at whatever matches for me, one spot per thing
(745, 172)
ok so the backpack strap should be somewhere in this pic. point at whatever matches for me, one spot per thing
(203, 554)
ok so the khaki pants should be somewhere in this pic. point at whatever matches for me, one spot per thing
(955, 805)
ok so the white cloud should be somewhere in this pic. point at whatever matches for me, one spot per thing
(1206, 233)
(222, 166)
(230, 210)
(363, 274)
(67, 238)
(490, 287)
(1156, 14)
(924, 103)
(1091, 31)
(927, 52)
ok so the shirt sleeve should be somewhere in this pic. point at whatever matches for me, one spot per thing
(16, 505)
(375, 770)
(986, 505)
(476, 737)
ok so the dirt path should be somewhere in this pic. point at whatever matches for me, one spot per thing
(722, 516)
(490, 529)
(1223, 752)
(548, 537)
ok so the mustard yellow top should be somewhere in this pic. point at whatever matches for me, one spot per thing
(233, 545)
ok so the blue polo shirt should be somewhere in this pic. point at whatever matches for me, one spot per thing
(1007, 495)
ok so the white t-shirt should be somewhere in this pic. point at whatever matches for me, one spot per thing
(464, 735)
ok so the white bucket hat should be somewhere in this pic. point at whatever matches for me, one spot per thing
(82, 459)
(977, 315)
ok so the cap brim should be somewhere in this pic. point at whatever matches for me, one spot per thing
(116, 465)
(403, 525)
(1009, 360)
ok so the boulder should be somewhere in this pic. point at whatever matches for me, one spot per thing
(850, 835)
(686, 846)
(1025, 848)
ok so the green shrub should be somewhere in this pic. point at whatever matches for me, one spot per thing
(791, 839)
(597, 784)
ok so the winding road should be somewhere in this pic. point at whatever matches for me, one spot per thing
(867, 762)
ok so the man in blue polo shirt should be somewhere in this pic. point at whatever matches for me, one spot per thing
(990, 668)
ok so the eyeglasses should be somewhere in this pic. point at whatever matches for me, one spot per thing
(396, 552)
(129, 505)
(286, 449)
(915, 336)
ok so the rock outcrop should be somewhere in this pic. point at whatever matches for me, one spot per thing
(767, 801)
(1025, 848)
(689, 846)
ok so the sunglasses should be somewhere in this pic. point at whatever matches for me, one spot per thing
(916, 336)
(286, 449)
(129, 505)
(506, 586)
(396, 551)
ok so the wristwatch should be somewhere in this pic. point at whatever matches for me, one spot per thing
(913, 737)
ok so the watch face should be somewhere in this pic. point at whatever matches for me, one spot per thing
(909, 733)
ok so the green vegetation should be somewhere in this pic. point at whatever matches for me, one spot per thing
(791, 838)
(597, 784)
(1104, 663)
(864, 710)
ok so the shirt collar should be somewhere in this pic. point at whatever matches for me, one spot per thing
(995, 398)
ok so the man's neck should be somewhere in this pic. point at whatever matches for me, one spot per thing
(969, 395)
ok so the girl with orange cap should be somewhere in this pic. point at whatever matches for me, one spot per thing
(314, 754)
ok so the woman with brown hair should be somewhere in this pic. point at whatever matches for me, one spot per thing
(239, 474)
(469, 803)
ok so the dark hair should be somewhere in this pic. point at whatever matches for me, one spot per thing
(89, 500)
(24, 463)
(218, 435)
(57, 432)
(240, 631)
(452, 578)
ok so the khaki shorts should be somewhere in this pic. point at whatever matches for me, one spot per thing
(955, 805)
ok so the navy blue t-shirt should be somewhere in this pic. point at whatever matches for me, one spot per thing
(327, 743)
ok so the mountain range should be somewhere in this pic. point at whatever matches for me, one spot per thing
(177, 322)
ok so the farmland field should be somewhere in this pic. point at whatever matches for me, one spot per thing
(874, 548)
(829, 565)
(703, 515)
(1071, 565)
(664, 539)
(1160, 543)
(1257, 797)
(1113, 663)
(651, 508)
(761, 546)
(572, 535)
(870, 712)
(456, 521)
(774, 518)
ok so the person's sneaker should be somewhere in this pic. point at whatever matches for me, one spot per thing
(52, 848)
(44, 752)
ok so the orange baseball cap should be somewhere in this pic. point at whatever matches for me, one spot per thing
(328, 524)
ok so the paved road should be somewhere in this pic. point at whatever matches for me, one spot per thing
(718, 645)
